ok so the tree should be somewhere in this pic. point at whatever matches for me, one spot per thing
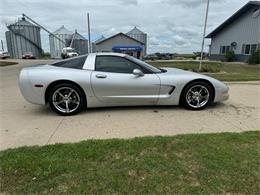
(230, 56)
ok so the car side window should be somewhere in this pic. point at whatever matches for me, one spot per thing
(114, 64)
(76, 63)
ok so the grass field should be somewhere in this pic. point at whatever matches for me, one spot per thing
(226, 163)
(6, 63)
(190, 56)
(221, 71)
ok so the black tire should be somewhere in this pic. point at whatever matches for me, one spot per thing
(185, 96)
(76, 96)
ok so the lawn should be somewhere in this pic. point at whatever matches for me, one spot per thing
(6, 63)
(218, 70)
(186, 164)
(189, 56)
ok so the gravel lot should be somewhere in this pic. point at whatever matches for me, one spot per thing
(26, 124)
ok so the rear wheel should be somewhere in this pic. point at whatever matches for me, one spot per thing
(197, 95)
(66, 99)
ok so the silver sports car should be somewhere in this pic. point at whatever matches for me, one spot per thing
(113, 79)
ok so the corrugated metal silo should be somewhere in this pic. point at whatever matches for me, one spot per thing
(56, 45)
(140, 36)
(80, 43)
(97, 41)
(23, 37)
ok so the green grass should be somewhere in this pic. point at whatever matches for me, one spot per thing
(223, 71)
(185, 164)
(6, 63)
(190, 56)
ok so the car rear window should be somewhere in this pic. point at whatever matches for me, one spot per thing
(76, 63)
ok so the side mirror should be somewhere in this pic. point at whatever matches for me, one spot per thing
(138, 72)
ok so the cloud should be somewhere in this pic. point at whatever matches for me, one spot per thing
(128, 2)
(190, 3)
(179, 40)
(171, 25)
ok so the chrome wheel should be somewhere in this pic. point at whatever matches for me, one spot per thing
(197, 96)
(66, 100)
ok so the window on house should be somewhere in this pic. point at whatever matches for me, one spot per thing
(249, 48)
(253, 48)
(227, 48)
(222, 49)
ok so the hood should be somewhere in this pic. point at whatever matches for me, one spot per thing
(180, 71)
(188, 76)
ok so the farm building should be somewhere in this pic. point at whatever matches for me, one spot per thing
(133, 43)
(23, 37)
(56, 45)
(240, 33)
(79, 43)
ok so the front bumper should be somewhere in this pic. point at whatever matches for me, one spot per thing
(221, 94)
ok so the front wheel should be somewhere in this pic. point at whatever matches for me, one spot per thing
(197, 95)
(66, 99)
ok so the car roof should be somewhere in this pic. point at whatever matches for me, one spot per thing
(110, 54)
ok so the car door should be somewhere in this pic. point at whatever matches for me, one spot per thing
(113, 82)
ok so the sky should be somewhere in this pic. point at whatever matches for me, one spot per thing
(174, 26)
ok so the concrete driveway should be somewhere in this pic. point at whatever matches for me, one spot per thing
(26, 124)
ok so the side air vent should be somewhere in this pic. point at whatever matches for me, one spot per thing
(172, 89)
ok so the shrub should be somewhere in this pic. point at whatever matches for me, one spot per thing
(210, 68)
(254, 57)
(230, 56)
(46, 55)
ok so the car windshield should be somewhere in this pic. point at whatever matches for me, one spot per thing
(144, 64)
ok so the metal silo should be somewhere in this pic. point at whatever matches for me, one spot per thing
(97, 41)
(140, 36)
(23, 37)
(56, 45)
(78, 42)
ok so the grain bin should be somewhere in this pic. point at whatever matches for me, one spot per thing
(140, 36)
(79, 43)
(56, 45)
(23, 37)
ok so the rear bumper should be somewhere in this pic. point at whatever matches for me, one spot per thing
(27, 90)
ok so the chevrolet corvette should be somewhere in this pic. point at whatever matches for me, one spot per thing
(115, 79)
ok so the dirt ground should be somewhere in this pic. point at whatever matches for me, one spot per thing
(25, 124)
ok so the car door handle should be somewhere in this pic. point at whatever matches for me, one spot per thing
(101, 76)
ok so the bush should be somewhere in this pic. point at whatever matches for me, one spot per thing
(254, 57)
(230, 56)
(210, 68)
(46, 55)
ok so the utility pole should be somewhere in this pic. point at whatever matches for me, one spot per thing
(89, 41)
(204, 32)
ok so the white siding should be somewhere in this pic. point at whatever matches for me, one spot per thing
(119, 40)
(245, 30)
